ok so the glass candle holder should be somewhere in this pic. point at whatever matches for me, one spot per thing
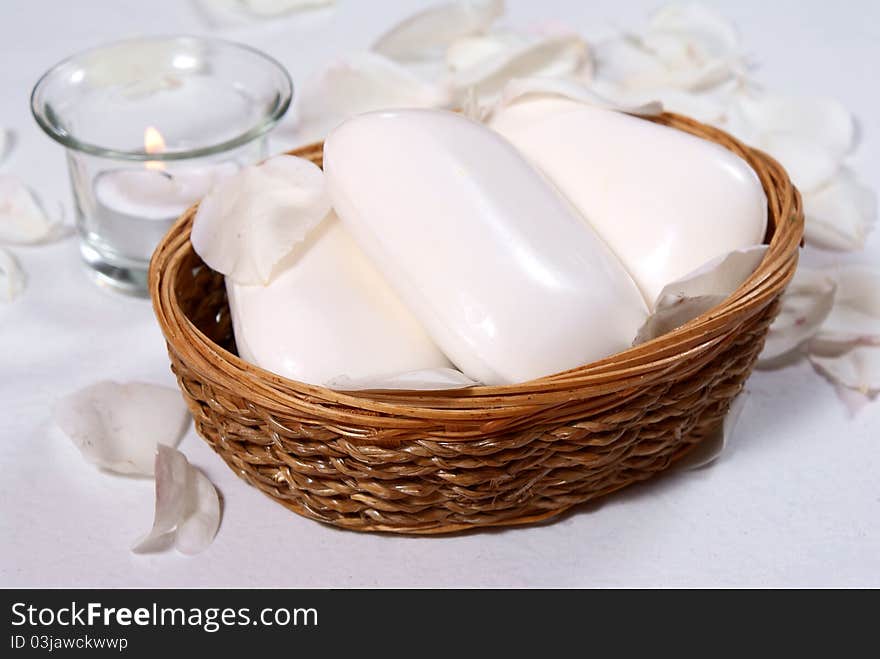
(149, 126)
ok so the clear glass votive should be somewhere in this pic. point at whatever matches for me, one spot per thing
(149, 126)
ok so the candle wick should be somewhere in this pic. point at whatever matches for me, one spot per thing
(166, 174)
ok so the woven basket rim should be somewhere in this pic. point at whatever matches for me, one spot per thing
(694, 342)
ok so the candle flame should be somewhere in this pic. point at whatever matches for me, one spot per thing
(154, 143)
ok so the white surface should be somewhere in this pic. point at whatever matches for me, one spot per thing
(795, 499)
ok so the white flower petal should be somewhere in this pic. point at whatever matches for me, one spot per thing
(558, 55)
(855, 316)
(23, 219)
(252, 220)
(840, 214)
(573, 89)
(201, 517)
(268, 8)
(805, 306)
(821, 120)
(631, 65)
(187, 506)
(117, 426)
(857, 369)
(424, 33)
(699, 24)
(5, 143)
(435, 378)
(12, 279)
(171, 470)
(854, 401)
(809, 164)
(696, 293)
(710, 447)
(361, 83)
(468, 52)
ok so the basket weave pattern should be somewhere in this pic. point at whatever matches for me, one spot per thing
(436, 462)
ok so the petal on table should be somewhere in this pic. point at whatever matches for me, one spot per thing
(5, 144)
(426, 33)
(201, 518)
(696, 293)
(809, 164)
(268, 8)
(474, 50)
(701, 28)
(23, 220)
(252, 220)
(805, 306)
(187, 512)
(855, 315)
(12, 279)
(563, 55)
(817, 119)
(632, 65)
(857, 369)
(711, 446)
(361, 83)
(840, 214)
(117, 426)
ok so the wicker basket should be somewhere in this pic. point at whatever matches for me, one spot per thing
(436, 462)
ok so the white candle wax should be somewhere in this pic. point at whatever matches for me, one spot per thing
(135, 207)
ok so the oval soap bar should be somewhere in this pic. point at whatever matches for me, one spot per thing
(666, 202)
(328, 314)
(500, 269)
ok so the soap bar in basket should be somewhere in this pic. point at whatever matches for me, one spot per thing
(665, 201)
(499, 268)
(328, 314)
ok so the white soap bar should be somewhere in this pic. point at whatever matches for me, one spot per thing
(501, 270)
(328, 314)
(665, 202)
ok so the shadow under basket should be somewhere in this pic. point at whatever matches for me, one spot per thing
(444, 461)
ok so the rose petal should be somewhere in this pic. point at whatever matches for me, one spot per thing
(436, 379)
(573, 89)
(12, 279)
(805, 306)
(468, 52)
(821, 120)
(840, 214)
(630, 64)
(268, 8)
(857, 369)
(5, 143)
(187, 506)
(252, 220)
(854, 401)
(855, 316)
(361, 83)
(426, 32)
(711, 446)
(700, 25)
(22, 218)
(809, 164)
(201, 517)
(117, 426)
(696, 293)
(171, 469)
(554, 56)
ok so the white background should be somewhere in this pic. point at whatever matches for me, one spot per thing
(795, 500)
